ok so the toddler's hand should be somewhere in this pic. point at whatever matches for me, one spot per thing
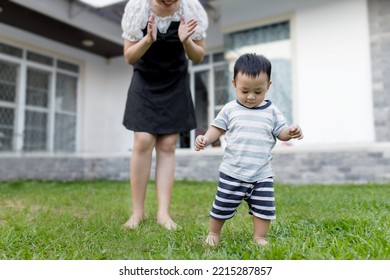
(295, 132)
(200, 142)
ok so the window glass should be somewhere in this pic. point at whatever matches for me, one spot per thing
(222, 83)
(35, 131)
(67, 66)
(8, 75)
(40, 58)
(8, 78)
(11, 50)
(66, 90)
(7, 117)
(37, 88)
(65, 133)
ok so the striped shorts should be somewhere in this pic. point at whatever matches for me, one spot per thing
(258, 195)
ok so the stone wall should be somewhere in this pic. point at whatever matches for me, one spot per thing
(337, 165)
(379, 22)
(292, 165)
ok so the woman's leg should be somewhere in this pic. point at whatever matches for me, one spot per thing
(165, 173)
(141, 160)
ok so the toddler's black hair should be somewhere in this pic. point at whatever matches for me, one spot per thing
(252, 65)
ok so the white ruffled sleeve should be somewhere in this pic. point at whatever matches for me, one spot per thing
(134, 20)
(193, 9)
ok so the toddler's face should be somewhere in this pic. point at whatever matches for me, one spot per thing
(251, 90)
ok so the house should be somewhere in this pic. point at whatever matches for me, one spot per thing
(63, 86)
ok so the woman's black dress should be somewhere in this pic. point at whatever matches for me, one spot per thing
(159, 98)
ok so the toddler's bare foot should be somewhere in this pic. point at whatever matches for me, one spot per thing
(133, 222)
(168, 223)
(261, 241)
(212, 239)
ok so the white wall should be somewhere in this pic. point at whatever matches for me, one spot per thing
(104, 91)
(242, 14)
(333, 81)
(214, 39)
(106, 84)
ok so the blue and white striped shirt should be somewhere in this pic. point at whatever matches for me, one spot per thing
(250, 136)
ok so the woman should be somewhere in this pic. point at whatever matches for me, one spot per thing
(159, 38)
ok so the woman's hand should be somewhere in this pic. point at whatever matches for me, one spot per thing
(152, 30)
(186, 30)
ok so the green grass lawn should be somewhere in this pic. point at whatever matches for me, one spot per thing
(83, 221)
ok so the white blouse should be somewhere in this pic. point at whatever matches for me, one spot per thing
(137, 13)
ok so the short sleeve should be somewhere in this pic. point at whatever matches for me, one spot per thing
(279, 121)
(134, 20)
(221, 120)
(193, 9)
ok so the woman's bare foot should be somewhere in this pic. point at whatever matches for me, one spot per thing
(133, 222)
(261, 241)
(168, 223)
(212, 239)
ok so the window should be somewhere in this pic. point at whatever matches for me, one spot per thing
(38, 102)
(209, 86)
(273, 41)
